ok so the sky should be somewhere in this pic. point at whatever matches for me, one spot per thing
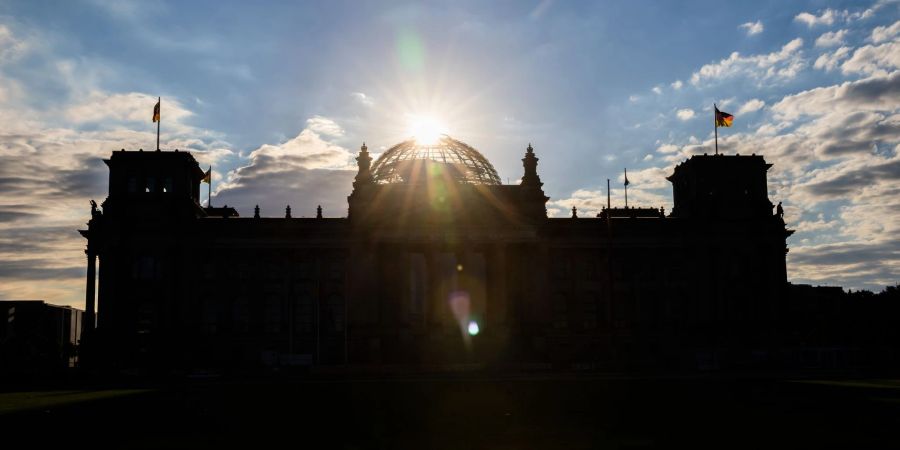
(277, 98)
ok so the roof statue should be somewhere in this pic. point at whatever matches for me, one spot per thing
(404, 162)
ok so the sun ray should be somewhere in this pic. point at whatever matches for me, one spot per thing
(426, 129)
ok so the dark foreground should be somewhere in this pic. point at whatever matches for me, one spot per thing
(563, 412)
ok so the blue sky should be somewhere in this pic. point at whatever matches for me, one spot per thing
(278, 96)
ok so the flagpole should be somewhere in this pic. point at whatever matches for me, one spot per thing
(159, 101)
(716, 126)
(626, 188)
(608, 203)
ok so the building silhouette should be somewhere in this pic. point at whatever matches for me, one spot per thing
(37, 337)
(437, 263)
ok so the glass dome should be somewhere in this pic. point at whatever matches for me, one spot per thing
(410, 161)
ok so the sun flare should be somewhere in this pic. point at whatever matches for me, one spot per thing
(425, 129)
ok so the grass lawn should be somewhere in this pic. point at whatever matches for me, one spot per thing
(448, 413)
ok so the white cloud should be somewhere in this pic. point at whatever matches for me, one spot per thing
(784, 64)
(870, 60)
(324, 126)
(831, 38)
(685, 114)
(827, 17)
(100, 106)
(870, 94)
(590, 202)
(752, 27)
(657, 90)
(835, 144)
(303, 172)
(51, 159)
(722, 103)
(307, 150)
(677, 84)
(829, 61)
(882, 34)
(362, 98)
(832, 16)
(11, 47)
(751, 105)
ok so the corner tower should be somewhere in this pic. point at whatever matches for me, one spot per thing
(148, 185)
(721, 187)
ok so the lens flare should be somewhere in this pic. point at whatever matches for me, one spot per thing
(473, 328)
(426, 129)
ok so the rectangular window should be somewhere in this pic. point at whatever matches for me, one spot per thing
(151, 185)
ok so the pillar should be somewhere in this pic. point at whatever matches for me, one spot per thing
(89, 297)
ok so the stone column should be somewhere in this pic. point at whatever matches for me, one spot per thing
(89, 296)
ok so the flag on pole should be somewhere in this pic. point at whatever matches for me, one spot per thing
(156, 111)
(207, 177)
(626, 178)
(723, 119)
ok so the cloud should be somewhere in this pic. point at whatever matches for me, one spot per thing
(869, 60)
(832, 16)
(324, 126)
(305, 171)
(831, 38)
(60, 122)
(590, 202)
(834, 149)
(11, 47)
(132, 107)
(870, 94)
(859, 265)
(752, 28)
(667, 148)
(751, 105)
(885, 33)
(685, 114)
(827, 17)
(363, 99)
(677, 84)
(851, 180)
(783, 64)
(657, 90)
(829, 61)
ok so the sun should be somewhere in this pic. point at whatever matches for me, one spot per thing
(426, 129)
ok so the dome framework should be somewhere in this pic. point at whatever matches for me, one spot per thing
(399, 163)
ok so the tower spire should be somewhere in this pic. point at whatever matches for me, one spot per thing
(364, 162)
(530, 161)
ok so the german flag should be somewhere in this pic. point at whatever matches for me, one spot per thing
(723, 119)
(207, 177)
(156, 111)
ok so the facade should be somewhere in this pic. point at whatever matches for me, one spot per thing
(436, 263)
(38, 337)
